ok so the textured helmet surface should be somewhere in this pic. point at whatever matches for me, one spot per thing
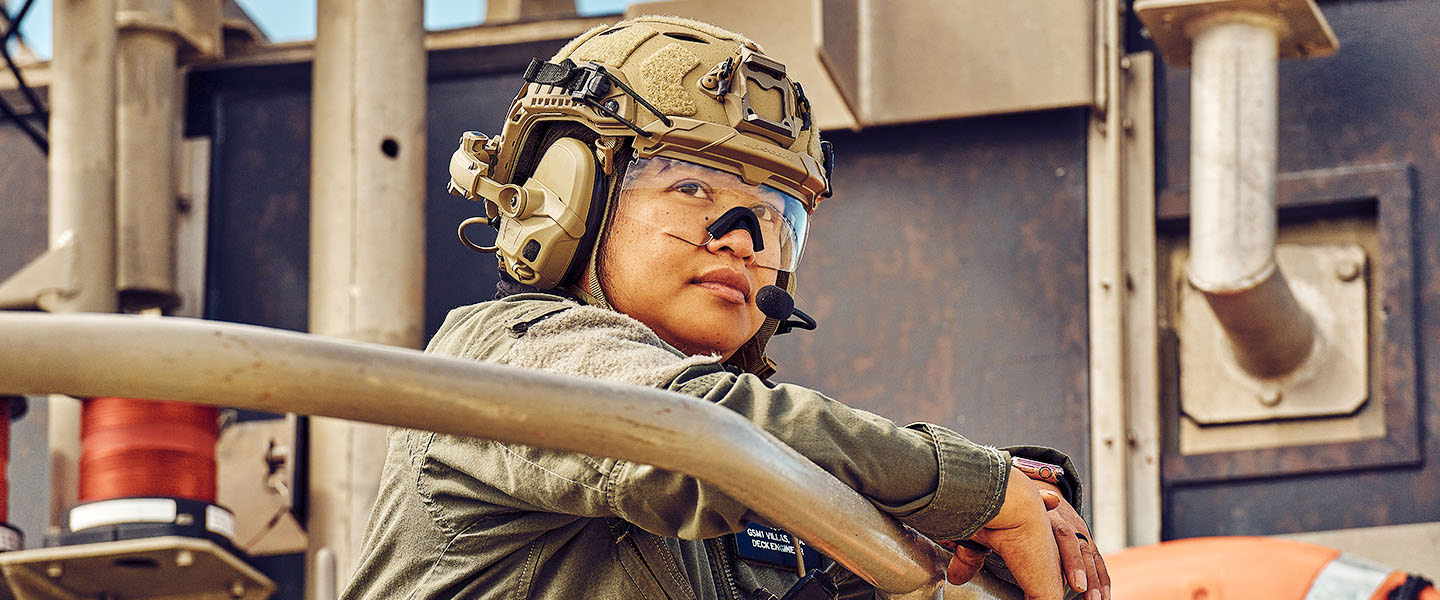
(729, 106)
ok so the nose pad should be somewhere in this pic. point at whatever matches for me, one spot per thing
(738, 218)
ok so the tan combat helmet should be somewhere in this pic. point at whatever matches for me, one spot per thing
(645, 87)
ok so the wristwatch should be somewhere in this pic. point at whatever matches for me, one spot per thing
(1039, 471)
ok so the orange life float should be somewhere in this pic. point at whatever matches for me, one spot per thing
(1253, 568)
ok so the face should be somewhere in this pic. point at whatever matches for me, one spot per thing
(659, 265)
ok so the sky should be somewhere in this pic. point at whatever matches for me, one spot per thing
(287, 20)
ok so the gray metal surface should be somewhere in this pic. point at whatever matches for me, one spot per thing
(271, 370)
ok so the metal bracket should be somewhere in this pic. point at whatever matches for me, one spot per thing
(149, 568)
(52, 273)
(1329, 282)
(256, 468)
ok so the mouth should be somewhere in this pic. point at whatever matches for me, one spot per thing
(729, 284)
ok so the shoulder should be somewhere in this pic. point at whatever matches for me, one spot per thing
(478, 331)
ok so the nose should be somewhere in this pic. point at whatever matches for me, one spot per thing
(736, 241)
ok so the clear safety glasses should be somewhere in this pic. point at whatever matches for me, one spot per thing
(696, 204)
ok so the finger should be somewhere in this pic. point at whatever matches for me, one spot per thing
(1072, 557)
(1051, 499)
(1091, 573)
(1103, 572)
(964, 565)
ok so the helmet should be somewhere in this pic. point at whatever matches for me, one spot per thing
(640, 89)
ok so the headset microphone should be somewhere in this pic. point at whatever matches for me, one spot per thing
(777, 304)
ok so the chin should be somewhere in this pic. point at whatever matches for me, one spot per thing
(685, 337)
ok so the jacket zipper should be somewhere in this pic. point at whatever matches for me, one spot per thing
(720, 562)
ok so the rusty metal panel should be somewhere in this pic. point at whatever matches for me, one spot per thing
(1369, 104)
(948, 276)
(23, 209)
(260, 208)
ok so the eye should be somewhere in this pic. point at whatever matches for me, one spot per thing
(692, 188)
(765, 212)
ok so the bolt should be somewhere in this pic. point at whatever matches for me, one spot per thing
(1125, 63)
(237, 589)
(1270, 396)
(54, 571)
(1347, 270)
(184, 558)
(612, 106)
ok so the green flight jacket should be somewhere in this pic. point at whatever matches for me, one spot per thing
(467, 518)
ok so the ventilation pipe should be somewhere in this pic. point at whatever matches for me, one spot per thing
(82, 202)
(1233, 47)
(366, 233)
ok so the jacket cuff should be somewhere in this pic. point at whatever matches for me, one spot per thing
(969, 490)
(1069, 484)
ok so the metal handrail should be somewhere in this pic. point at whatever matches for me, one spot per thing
(257, 368)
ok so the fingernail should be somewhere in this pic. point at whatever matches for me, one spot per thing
(1078, 580)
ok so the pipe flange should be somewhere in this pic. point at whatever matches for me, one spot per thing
(1303, 30)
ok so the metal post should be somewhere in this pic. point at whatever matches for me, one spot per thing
(1233, 219)
(366, 232)
(146, 137)
(82, 199)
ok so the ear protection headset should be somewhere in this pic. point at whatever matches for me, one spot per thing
(545, 227)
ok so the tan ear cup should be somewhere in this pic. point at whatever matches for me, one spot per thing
(543, 221)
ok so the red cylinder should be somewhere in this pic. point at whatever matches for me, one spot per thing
(4, 460)
(133, 448)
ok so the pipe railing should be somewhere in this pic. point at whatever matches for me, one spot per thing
(256, 368)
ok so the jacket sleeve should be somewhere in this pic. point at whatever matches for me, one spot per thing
(927, 476)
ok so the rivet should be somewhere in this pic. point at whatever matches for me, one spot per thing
(54, 571)
(1127, 124)
(237, 589)
(1347, 270)
(1270, 396)
(184, 558)
(1125, 63)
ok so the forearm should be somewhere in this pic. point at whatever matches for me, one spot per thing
(929, 477)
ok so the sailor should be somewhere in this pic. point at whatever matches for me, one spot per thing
(651, 191)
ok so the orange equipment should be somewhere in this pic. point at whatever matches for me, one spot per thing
(134, 448)
(1253, 568)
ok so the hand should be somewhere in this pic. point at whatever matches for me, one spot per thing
(1083, 566)
(1022, 533)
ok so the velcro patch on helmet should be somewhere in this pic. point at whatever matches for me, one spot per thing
(662, 79)
(612, 48)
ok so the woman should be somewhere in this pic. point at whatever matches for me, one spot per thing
(648, 184)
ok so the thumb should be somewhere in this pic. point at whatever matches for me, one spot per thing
(1051, 499)
(964, 565)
